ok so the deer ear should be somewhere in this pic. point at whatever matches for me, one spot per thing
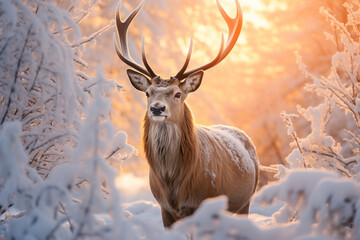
(192, 82)
(138, 80)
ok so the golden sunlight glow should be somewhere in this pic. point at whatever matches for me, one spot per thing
(254, 6)
(137, 184)
(237, 91)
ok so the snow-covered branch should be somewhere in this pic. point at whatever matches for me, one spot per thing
(341, 95)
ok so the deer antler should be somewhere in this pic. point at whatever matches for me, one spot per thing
(124, 53)
(234, 26)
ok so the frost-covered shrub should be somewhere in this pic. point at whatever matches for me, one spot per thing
(334, 141)
(316, 203)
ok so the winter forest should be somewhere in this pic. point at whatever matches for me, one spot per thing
(72, 163)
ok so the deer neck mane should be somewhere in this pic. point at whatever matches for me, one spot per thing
(172, 148)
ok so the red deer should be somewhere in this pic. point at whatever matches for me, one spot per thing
(189, 163)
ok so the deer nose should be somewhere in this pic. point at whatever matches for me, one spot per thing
(157, 110)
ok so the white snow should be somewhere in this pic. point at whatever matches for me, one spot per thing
(233, 140)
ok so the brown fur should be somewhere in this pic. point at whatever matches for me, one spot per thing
(181, 174)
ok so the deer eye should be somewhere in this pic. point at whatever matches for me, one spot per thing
(178, 95)
(147, 94)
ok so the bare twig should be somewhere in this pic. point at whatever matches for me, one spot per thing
(340, 25)
(353, 136)
(77, 21)
(68, 219)
(94, 35)
(48, 141)
(112, 153)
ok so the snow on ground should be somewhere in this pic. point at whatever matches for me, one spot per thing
(140, 205)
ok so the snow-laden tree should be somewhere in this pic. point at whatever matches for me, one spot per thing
(333, 142)
(325, 203)
(41, 82)
(37, 84)
(56, 140)
(277, 83)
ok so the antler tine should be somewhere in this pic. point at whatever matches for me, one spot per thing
(123, 52)
(234, 25)
(146, 64)
(188, 56)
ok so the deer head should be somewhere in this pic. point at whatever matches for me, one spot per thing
(166, 96)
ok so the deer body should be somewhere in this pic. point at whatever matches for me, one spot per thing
(189, 163)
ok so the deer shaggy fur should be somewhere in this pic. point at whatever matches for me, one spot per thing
(190, 163)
